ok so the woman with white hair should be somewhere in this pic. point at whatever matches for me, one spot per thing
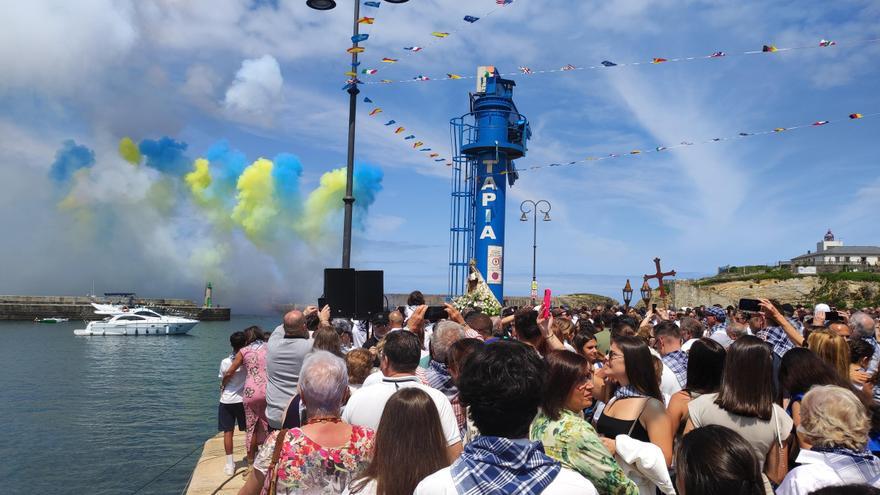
(835, 423)
(323, 455)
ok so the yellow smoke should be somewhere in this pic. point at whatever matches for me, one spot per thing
(199, 179)
(129, 151)
(257, 205)
(322, 202)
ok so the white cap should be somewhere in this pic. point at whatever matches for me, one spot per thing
(822, 307)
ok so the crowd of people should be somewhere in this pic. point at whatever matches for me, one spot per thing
(609, 400)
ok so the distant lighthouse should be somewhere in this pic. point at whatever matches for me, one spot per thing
(209, 293)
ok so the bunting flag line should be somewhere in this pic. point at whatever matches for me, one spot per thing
(684, 144)
(435, 36)
(417, 144)
(606, 64)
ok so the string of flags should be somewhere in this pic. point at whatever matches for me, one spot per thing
(353, 74)
(765, 49)
(686, 143)
(417, 144)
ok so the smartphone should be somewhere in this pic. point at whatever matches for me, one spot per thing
(750, 305)
(547, 301)
(654, 307)
(322, 301)
(833, 317)
(436, 313)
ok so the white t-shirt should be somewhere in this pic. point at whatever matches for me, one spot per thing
(365, 406)
(686, 347)
(669, 384)
(567, 482)
(231, 394)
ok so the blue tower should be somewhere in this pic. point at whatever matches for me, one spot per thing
(485, 141)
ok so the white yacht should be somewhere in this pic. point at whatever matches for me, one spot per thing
(136, 321)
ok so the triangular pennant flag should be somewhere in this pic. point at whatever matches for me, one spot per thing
(366, 20)
(825, 42)
(440, 159)
(453, 76)
(386, 81)
(769, 48)
(425, 149)
(359, 37)
(369, 71)
(608, 63)
(820, 122)
(438, 34)
(779, 129)
(367, 99)
(375, 111)
(635, 152)
(391, 122)
(432, 155)
(351, 74)
(471, 19)
(372, 4)
(855, 115)
(744, 134)
(389, 60)
(417, 144)
(568, 67)
(411, 136)
(525, 70)
(356, 49)
(658, 60)
(413, 48)
(399, 130)
(718, 54)
(422, 78)
(658, 148)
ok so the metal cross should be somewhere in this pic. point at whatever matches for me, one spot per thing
(659, 276)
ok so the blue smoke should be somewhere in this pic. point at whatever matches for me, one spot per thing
(166, 155)
(70, 158)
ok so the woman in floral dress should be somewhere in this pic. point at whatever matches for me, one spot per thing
(253, 356)
(325, 454)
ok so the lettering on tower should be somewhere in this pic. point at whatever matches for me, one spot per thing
(487, 202)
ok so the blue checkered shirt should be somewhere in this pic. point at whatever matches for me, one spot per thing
(499, 466)
(778, 339)
(438, 377)
(678, 363)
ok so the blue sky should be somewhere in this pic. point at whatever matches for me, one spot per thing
(95, 71)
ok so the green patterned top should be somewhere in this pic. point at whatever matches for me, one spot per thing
(573, 441)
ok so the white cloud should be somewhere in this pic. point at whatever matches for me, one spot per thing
(256, 89)
(63, 47)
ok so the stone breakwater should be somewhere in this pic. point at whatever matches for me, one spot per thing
(27, 308)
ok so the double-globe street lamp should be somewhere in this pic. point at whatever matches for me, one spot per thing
(353, 91)
(526, 207)
(627, 294)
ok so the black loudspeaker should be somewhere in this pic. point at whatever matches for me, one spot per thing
(339, 291)
(369, 293)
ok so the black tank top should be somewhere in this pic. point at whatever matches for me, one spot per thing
(611, 427)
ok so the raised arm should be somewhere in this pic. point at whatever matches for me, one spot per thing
(789, 329)
(232, 369)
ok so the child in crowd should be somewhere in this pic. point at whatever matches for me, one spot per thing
(231, 408)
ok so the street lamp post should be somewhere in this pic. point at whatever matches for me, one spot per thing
(353, 91)
(524, 208)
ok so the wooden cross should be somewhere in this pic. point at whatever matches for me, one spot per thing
(659, 276)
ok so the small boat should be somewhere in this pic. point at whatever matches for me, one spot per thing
(137, 321)
(55, 319)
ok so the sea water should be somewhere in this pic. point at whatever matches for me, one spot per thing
(106, 415)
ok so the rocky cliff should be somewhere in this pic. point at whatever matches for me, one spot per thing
(803, 290)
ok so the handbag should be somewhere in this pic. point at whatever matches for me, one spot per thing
(272, 472)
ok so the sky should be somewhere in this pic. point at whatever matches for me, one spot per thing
(233, 81)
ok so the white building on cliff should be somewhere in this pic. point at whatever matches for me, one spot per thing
(832, 256)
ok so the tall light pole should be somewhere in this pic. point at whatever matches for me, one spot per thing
(353, 91)
(526, 207)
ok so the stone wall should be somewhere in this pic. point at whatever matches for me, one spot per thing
(25, 308)
(804, 290)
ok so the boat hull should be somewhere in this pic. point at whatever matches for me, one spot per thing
(146, 328)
